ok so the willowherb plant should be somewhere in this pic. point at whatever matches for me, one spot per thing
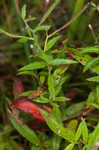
(56, 72)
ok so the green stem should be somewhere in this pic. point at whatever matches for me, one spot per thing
(69, 22)
(20, 24)
(49, 11)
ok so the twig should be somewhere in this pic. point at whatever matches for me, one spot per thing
(46, 41)
(83, 114)
(93, 33)
(69, 22)
(39, 82)
(49, 12)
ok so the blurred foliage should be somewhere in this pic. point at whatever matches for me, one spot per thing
(52, 47)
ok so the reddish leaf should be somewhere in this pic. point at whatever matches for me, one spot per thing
(38, 125)
(35, 94)
(29, 107)
(15, 113)
(72, 94)
(18, 88)
(47, 108)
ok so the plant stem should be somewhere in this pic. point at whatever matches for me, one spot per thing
(20, 24)
(49, 11)
(69, 22)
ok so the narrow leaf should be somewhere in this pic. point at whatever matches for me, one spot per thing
(84, 131)
(14, 35)
(31, 73)
(23, 12)
(31, 19)
(91, 98)
(25, 132)
(97, 94)
(89, 64)
(59, 99)
(26, 93)
(70, 146)
(94, 49)
(56, 141)
(78, 133)
(96, 106)
(93, 137)
(57, 127)
(94, 79)
(57, 61)
(56, 113)
(51, 86)
(45, 57)
(32, 66)
(23, 40)
(38, 100)
(41, 28)
(52, 42)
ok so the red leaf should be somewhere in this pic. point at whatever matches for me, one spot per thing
(35, 94)
(38, 125)
(29, 107)
(47, 108)
(18, 88)
(72, 94)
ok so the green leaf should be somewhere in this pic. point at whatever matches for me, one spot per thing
(41, 28)
(51, 86)
(26, 93)
(25, 132)
(74, 109)
(70, 146)
(15, 36)
(84, 132)
(72, 125)
(96, 106)
(84, 147)
(23, 40)
(52, 42)
(45, 57)
(31, 73)
(60, 83)
(94, 137)
(61, 69)
(91, 98)
(84, 59)
(78, 133)
(33, 66)
(93, 4)
(56, 141)
(89, 64)
(97, 94)
(57, 127)
(94, 79)
(31, 19)
(58, 61)
(93, 49)
(59, 99)
(38, 100)
(43, 99)
(23, 12)
(56, 113)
